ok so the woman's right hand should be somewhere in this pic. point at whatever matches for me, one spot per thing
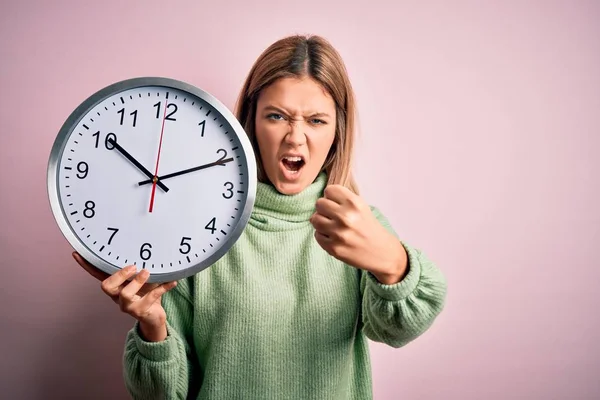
(137, 298)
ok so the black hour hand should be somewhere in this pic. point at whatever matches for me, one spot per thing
(137, 163)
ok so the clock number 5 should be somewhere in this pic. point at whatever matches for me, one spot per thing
(186, 245)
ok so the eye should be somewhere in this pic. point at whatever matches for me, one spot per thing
(317, 121)
(275, 117)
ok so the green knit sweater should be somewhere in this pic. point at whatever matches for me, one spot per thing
(279, 318)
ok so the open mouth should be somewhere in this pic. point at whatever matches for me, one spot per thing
(293, 164)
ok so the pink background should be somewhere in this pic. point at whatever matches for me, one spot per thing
(480, 132)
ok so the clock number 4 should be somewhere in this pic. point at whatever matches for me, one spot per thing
(169, 116)
(211, 225)
(122, 112)
(107, 144)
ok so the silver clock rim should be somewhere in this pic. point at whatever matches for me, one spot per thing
(72, 121)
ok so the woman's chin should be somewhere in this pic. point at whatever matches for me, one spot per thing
(290, 182)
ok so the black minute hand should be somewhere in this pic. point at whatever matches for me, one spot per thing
(187, 171)
(137, 164)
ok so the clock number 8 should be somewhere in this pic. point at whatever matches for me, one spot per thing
(89, 211)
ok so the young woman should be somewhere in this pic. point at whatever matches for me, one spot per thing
(286, 313)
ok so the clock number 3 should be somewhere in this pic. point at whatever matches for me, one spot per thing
(229, 188)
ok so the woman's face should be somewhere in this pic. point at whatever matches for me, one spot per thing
(295, 127)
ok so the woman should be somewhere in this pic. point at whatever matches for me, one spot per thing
(286, 313)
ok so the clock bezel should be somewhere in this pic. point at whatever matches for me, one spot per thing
(83, 109)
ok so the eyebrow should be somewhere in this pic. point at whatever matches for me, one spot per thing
(317, 114)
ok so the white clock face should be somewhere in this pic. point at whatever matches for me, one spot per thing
(120, 214)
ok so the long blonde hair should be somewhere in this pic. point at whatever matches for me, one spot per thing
(301, 56)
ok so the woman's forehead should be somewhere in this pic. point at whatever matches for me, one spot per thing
(297, 95)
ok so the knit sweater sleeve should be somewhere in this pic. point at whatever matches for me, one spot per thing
(399, 313)
(163, 370)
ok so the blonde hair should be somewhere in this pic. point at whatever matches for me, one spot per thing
(305, 56)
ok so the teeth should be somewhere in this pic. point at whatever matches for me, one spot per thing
(293, 159)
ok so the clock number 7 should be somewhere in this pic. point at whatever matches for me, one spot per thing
(114, 232)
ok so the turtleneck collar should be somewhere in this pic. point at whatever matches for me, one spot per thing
(276, 211)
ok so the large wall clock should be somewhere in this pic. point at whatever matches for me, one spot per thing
(153, 172)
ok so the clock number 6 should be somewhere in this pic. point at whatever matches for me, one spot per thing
(186, 245)
(145, 252)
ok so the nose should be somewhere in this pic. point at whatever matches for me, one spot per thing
(295, 135)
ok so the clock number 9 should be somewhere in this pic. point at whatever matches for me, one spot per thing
(82, 168)
(108, 137)
(145, 252)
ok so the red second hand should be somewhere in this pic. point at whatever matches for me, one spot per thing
(155, 179)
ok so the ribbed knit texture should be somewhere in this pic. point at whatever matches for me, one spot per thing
(279, 318)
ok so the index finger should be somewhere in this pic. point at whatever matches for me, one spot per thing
(337, 193)
(95, 272)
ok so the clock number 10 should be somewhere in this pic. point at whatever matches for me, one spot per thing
(107, 139)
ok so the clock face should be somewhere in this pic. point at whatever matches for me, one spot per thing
(152, 172)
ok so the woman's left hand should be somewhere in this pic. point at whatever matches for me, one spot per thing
(347, 229)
